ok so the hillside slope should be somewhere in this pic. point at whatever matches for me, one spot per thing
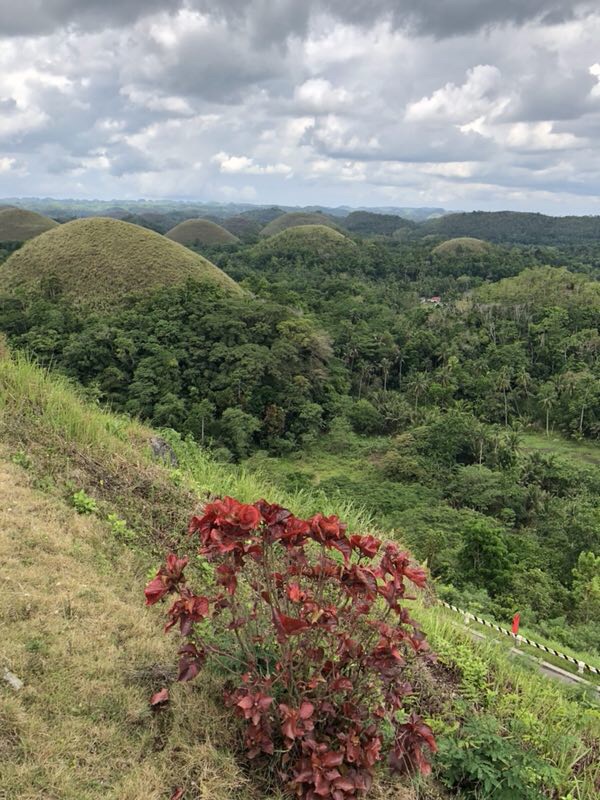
(85, 698)
(97, 261)
(19, 225)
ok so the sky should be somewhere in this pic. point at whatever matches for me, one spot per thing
(464, 104)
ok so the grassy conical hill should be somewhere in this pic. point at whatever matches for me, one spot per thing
(97, 261)
(199, 232)
(307, 242)
(294, 219)
(19, 224)
(462, 246)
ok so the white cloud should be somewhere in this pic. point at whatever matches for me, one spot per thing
(202, 103)
(449, 169)
(539, 136)
(479, 96)
(318, 95)
(246, 165)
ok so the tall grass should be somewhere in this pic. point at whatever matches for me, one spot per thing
(210, 476)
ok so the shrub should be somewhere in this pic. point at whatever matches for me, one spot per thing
(482, 764)
(307, 622)
(83, 503)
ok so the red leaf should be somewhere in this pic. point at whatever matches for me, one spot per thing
(289, 625)
(295, 593)
(160, 698)
(155, 591)
(331, 759)
(341, 685)
(306, 710)
(177, 793)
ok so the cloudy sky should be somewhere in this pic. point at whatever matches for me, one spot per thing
(460, 103)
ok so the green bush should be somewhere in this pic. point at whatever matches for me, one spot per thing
(480, 763)
(83, 503)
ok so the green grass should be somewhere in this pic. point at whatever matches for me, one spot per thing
(249, 484)
(199, 232)
(582, 452)
(294, 219)
(544, 715)
(97, 261)
(71, 445)
(19, 225)
(507, 642)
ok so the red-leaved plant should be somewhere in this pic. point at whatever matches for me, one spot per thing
(309, 624)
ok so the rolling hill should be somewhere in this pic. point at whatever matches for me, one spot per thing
(462, 246)
(200, 232)
(95, 262)
(366, 223)
(294, 219)
(19, 225)
(308, 243)
(516, 227)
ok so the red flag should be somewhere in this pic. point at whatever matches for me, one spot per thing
(515, 623)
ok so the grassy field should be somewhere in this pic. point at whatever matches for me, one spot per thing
(583, 452)
(97, 261)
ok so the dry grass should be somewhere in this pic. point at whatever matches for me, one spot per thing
(199, 232)
(73, 445)
(74, 629)
(19, 225)
(97, 261)
(294, 219)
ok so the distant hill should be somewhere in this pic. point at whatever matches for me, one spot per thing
(242, 226)
(200, 232)
(366, 223)
(20, 225)
(308, 243)
(294, 219)
(96, 261)
(262, 215)
(463, 245)
(516, 227)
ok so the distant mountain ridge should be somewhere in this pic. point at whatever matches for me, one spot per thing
(260, 211)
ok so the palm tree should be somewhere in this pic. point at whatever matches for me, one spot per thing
(504, 384)
(418, 385)
(547, 397)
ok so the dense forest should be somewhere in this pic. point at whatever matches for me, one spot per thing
(412, 380)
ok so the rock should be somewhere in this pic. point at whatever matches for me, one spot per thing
(12, 680)
(162, 451)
